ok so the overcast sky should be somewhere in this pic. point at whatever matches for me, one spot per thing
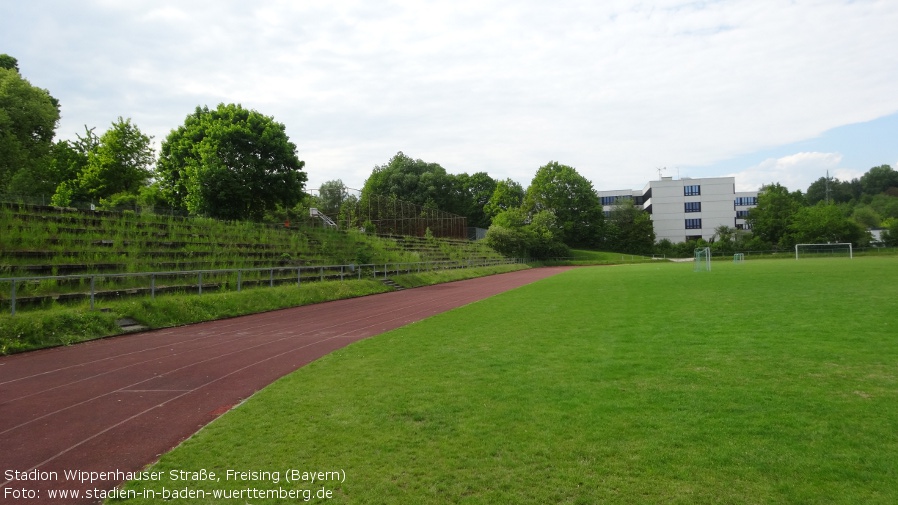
(769, 91)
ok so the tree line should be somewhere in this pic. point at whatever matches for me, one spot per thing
(229, 162)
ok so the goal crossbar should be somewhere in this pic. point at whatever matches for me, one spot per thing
(831, 248)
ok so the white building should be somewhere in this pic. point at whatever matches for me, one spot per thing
(686, 209)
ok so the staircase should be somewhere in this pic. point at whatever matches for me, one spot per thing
(313, 212)
(390, 283)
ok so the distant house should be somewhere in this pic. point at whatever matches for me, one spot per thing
(686, 209)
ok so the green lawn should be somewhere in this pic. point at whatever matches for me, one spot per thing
(764, 382)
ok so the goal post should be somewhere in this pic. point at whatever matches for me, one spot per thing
(838, 250)
(739, 258)
(702, 259)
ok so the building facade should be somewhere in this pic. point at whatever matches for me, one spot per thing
(686, 209)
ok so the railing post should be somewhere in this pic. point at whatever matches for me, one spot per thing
(271, 278)
(239, 279)
(341, 273)
(199, 281)
(152, 286)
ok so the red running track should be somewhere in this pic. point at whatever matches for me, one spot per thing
(119, 403)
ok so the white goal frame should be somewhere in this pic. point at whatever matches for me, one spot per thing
(739, 258)
(702, 259)
(833, 245)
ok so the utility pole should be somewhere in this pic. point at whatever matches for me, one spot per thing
(827, 187)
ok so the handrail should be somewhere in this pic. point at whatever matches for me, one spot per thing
(332, 271)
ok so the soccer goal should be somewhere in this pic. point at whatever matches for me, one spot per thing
(702, 260)
(836, 250)
(739, 258)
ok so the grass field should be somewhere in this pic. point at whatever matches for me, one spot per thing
(765, 382)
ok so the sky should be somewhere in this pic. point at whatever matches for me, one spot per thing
(623, 91)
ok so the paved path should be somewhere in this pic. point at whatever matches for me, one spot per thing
(119, 403)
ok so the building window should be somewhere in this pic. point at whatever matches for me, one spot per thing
(743, 201)
(741, 214)
(692, 190)
(611, 200)
(693, 206)
(693, 224)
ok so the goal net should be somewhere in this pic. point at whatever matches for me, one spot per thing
(839, 250)
(739, 258)
(702, 260)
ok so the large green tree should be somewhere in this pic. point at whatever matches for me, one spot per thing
(414, 181)
(776, 210)
(475, 192)
(508, 194)
(571, 198)
(28, 121)
(119, 164)
(538, 236)
(629, 229)
(823, 223)
(832, 190)
(879, 179)
(331, 195)
(230, 163)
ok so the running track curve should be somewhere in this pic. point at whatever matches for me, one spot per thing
(119, 403)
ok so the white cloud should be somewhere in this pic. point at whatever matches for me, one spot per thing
(614, 89)
(796, 171)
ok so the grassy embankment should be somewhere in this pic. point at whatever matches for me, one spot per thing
(46, 241)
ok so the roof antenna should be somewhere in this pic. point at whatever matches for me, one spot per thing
(661, 169)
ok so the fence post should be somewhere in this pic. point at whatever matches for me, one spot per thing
(341, 273)
(152, 286)
(299, 276)
(199, 281)
(271, 278)
(13, 297)
(91, 292)
(321, 273)
(239, 279)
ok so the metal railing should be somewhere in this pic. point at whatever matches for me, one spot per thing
(116, 285)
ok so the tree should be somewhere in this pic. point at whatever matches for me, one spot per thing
(230, 163)
(890, 234)
(476, 190)
(63, 163)
(823, 223)
(414, 181)
(28, 121)
(571, 197)
(879, 179)
(839, 191)
(629, 229)
(121, 163)
(331, 196)
(774, 213)
(514, 233)
(508, 194)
